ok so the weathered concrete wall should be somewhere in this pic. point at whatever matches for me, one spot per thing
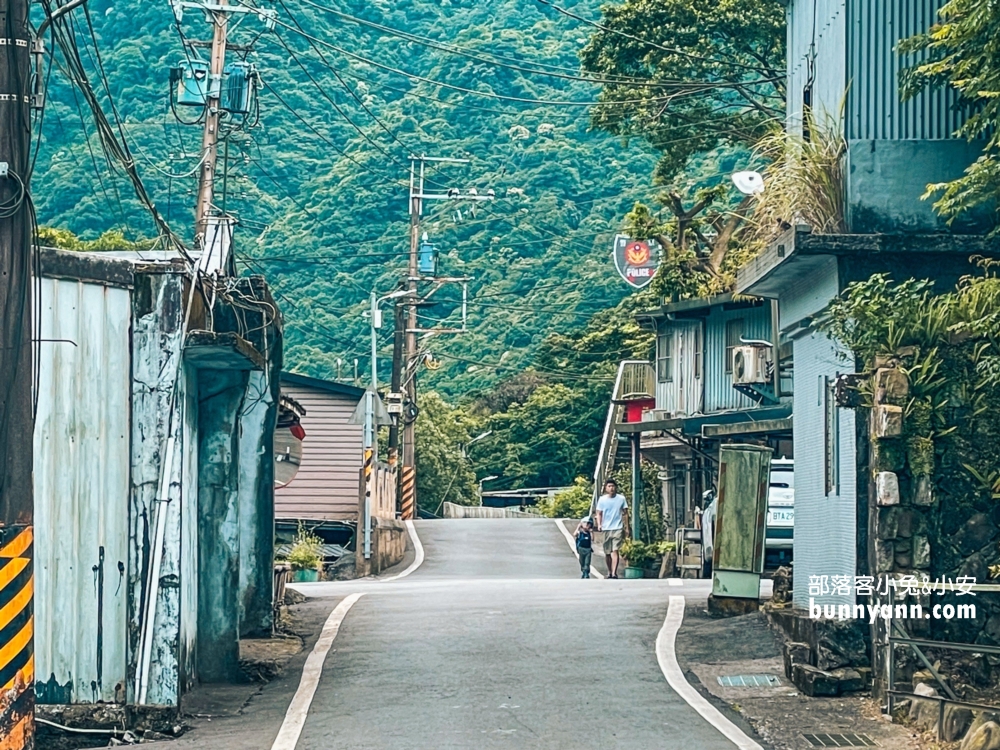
(256, 501)
(220, 400)
(158, 312)
(886, 179)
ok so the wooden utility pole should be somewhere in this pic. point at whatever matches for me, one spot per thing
(399, 332)
(16, 408)
(410, 355)
(210, 137)
(408, 475)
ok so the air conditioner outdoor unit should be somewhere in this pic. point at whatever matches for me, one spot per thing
(750, 364)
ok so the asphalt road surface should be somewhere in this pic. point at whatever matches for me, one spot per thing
(493, 642)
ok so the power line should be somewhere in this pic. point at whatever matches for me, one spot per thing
(473, 92)
(455, 49)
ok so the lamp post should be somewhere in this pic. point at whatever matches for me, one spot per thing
(483, 481)
(370, 429)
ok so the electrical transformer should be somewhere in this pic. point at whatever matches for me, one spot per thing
(427, 259)
(239, 90)
(192, 82)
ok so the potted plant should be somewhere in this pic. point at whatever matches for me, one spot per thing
(306, 556)
(637, 555)
(666, 559)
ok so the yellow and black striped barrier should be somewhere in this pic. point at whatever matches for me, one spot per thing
(17, 663)
(408, 503)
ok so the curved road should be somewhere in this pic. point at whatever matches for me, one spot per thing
(493, 642)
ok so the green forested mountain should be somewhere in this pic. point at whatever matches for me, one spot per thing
(320, 183)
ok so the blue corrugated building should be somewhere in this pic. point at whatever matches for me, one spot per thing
(843, 63)
(716, 378)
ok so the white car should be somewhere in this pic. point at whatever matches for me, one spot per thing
(780, 524)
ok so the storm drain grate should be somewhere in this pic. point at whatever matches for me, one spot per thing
(749, 680)
(840, 740)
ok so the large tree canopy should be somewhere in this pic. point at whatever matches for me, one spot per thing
(689, 75)
(963, 51)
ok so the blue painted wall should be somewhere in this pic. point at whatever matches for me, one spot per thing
(719, 392)
(845, 51)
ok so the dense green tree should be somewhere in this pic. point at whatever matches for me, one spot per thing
(548, 432)
(689, 75)
(320, 190)
(962, 51)
(574, 502)
(445, 474)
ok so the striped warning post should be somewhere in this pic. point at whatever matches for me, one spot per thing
(408, 504)
(17, 665)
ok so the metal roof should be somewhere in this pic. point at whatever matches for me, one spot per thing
(331, 386)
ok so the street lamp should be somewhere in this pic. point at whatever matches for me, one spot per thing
(481, 482)
(375, 318)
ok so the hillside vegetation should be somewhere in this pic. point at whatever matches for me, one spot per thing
(319, 181)
(322, 202)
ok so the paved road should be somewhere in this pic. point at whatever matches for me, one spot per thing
(494, 642)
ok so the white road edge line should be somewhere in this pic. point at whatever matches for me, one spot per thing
(295, 717)
(569, 540)
(667, 658)
(418, 549)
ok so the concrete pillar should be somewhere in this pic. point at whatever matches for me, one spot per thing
(256, 501)
(221, 397)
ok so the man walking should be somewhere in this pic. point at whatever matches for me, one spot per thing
(612, 518)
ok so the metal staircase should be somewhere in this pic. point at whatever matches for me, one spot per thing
(635, 381)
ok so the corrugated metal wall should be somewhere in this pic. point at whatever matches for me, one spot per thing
(825, 525)
(326, 486)
(875, 109)
(683, 394)
(81, 492)
(857, 66)
(719, 392)
(830, 78)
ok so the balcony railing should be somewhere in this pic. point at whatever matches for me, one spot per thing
(636, 381)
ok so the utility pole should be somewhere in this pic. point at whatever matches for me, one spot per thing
(17, 697)
(408, 474)
(210, 137)
(408, 485)
(399, 333)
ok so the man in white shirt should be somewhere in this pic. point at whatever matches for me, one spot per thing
(612, 520)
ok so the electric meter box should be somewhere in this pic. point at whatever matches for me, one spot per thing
(192, 83)
(738, 556)
(238, 92)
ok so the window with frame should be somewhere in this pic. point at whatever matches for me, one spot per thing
(831, 432)
(664, 358)
(734, 334)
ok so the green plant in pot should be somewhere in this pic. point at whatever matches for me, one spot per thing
(637, 555)
(306, 556)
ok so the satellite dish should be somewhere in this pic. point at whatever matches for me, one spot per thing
(749, 183)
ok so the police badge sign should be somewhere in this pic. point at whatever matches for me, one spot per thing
(636, 260)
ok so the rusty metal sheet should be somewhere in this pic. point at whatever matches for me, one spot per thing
(81, 481)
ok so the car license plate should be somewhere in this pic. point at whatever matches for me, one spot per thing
(781, 517)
